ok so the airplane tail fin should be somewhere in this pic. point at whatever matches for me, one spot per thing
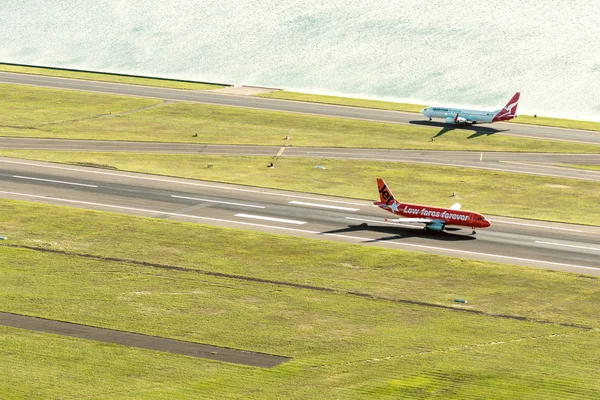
(510, 109)
(385, 194)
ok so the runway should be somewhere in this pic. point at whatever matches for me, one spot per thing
(556, 246)
(543, 164)
(530, 131)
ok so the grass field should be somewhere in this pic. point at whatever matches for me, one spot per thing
(388, 105)
(588, 167)
(558, 123)
(109, 77)
(72, 115)
(491, 192)
(31, 109)
(342, 345)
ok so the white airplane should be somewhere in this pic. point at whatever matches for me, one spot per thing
(467, 117)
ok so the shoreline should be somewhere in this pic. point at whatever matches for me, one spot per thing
(282, 94)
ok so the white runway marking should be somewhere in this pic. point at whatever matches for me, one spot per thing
(302, 203)
(364, 239)
(53, 181)
(536, 226)
(180, 182)
(569, 245)
(287, 221)
(218, 202)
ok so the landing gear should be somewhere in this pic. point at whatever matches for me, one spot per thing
(473, 233)
(430, 118)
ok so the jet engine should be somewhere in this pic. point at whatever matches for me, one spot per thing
(456, 120)
(435, 226)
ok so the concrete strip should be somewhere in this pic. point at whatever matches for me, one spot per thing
(141, 341)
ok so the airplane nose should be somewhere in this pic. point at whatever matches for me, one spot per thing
(425, 111)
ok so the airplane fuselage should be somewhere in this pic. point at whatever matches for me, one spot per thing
(461, 116)
(435, 218)
(446, 216)
(450, 115)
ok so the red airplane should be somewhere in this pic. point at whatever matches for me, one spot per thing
(434, 218)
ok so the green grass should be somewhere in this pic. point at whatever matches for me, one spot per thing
(393, 106)
(32, 110)
(558, 123)
(106, 77)
(491, 192)
(343, 346)
(489, 287)
(311, 327)
(42, 366)
(178, 122)
(588, 167)
(343, 101)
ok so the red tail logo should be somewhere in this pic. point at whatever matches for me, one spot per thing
(510, 109)
(385, 194)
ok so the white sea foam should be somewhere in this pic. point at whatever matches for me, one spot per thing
(449, 52)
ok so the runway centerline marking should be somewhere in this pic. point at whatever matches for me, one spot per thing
(302, 203)
(294, 230)
(179, 182)
(216, 201)
(535, 226)
(53, 181)
(264, 218)
(568, 245)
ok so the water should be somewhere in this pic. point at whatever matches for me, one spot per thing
(466, 52)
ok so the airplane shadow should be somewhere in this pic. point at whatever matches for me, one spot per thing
(478, 130)
(399, 232)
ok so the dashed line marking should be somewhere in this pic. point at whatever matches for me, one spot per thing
(568, 245)
(272, 219)
(218, 202)
(533, 225)
(358, 238)
(53, 181)
(302, 203)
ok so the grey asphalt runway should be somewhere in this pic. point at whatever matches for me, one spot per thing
(531, 131)
(141, 341)
(544, 164)
(556, 246)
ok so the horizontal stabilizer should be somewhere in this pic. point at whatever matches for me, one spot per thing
(455, 206)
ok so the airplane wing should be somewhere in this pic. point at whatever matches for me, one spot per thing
(455, 206)
(411, 220)
(435, 225)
